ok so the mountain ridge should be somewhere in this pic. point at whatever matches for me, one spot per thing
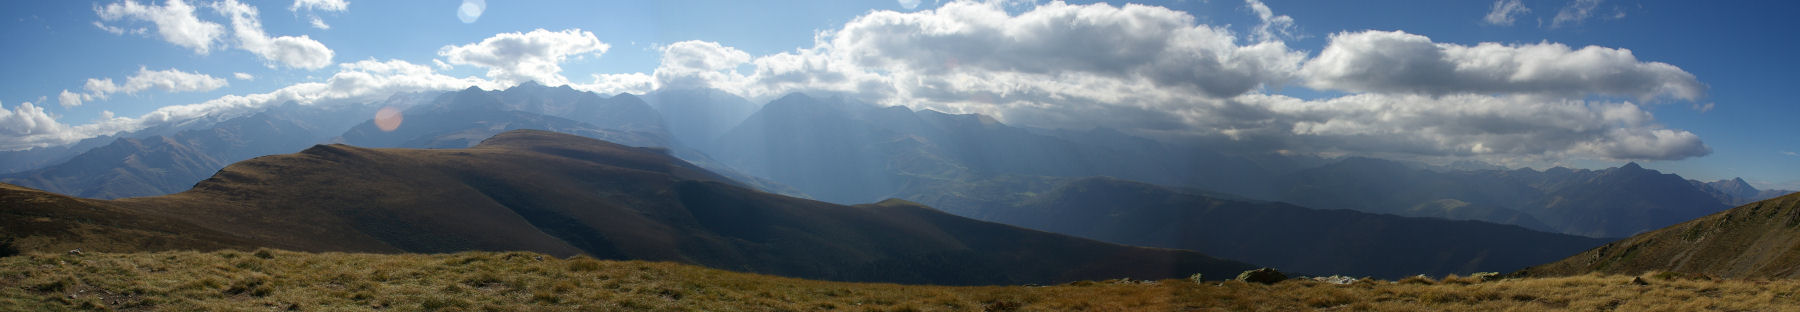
(563, 195)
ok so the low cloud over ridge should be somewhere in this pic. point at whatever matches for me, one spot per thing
(1158, 71)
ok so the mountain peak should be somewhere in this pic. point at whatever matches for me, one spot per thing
(1631, 166)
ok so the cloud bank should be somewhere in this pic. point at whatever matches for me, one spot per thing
(1139, 68)
(170, 80)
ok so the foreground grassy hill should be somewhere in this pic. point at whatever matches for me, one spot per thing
(520, 281)
(1760, 239)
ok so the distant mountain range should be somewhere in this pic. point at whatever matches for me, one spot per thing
(1279, 235)
(1756, 240)
(563, 195)
(1613, 202)
(158, 164)
(847, 152)
(1736, 192)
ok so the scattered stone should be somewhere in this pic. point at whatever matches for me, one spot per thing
(75, 252)
(1335, 279)
(1639, 281)
(1264, 276)
(1486, 276)
(1197, 278)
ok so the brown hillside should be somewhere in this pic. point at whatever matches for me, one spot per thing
(1761, 239)
(565, 195)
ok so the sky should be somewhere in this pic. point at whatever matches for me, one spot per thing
(1694, 88)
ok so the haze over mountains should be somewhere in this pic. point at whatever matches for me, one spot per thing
(1274, 234)
(1358, 216)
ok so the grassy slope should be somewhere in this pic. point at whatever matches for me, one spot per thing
(564, 195)
(519, 281)
(1761, 239)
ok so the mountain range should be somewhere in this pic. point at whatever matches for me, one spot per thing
(1095, 183)
(564, 195)
(1279, 235)
(163, 164)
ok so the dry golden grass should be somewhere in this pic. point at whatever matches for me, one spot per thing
(518, 281)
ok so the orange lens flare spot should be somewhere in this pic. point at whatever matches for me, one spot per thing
(388, 119)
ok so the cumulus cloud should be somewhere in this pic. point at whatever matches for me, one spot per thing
(1395, 61)
(295, 52)
(243, 76)
(71, 99)
(174, 20)
(1149, 70)
(26, 119)
(700, 64)
(1135, 43)
(533, 56)
(362, 81)
(1576, 12)
(1156, 71)
(1505, 12)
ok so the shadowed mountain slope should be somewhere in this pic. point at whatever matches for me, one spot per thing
(1757, 240)
(1612, 202)
(1279, 235)
(563, 195)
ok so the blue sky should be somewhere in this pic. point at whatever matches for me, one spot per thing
(1715, 108)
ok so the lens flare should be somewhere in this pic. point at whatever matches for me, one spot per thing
(471, 10)
(388, 119)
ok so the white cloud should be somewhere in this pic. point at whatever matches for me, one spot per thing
(1381, 61)
(1145, 69)
(320, 23)
(1471, 125)
(534, 56)
(636, 83)
(243, 76)
(111, 29)
(1576, 12)
(169, 80)
(700, 64)
(71, 99)
(1273, 27)
(1505, 12)
(175, 22)
(296, 52)
(1134, 43)
(361, 81)
(28, 124)
(320, 5)
(1790, 153)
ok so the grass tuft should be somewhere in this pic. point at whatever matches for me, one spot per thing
(486, 281)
